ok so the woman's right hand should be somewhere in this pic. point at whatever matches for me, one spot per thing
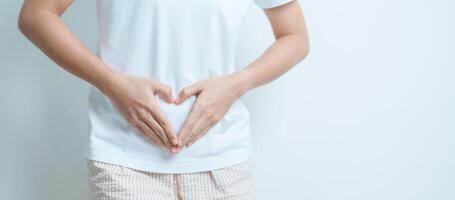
(134, 97)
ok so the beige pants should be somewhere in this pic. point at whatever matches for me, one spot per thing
(116, 182)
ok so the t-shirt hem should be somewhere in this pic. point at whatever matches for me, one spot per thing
(170, 168)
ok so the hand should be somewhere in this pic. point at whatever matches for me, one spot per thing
(215, 96)
(134, 97)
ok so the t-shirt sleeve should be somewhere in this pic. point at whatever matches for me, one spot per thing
(264, 4)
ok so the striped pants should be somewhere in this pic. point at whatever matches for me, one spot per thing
(116, 182)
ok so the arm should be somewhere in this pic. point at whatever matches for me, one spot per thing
(40, 22)
(216, 94)
(291, 46)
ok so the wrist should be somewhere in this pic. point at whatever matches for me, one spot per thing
(108, 83)
(242, 82)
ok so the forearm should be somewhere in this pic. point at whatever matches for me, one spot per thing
(285, 53)
(47, 31)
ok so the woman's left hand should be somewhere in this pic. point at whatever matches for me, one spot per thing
(214, 97)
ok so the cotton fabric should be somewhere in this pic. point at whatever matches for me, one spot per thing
(116, 182)
(176, 42)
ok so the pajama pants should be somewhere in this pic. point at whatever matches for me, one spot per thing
(116, 182)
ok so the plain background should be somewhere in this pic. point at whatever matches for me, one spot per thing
(367, 116)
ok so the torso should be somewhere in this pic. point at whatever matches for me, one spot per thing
(176, 42)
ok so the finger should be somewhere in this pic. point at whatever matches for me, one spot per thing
(155, 110)
(187, 128)
(166, 125)
(163, 136)
(202, 126)
(148, 118)
(198, 137)
(159, 133)
(187, 92)
(144, 129)
(164, 91)
(198, 130)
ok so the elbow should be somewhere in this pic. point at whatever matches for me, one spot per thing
(305, 50)
(304, 45)
(29, 20)
(25, 22)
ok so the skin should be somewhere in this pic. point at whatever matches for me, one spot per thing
(134, 96)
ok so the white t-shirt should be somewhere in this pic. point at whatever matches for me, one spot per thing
(176, 42)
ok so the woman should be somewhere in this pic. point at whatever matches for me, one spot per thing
(166, 122)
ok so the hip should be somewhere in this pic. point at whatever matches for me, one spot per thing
(111, 181)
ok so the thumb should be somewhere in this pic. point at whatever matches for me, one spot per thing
(187, 92)
(164, 91)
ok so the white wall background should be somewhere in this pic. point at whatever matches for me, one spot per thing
(368, 116)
